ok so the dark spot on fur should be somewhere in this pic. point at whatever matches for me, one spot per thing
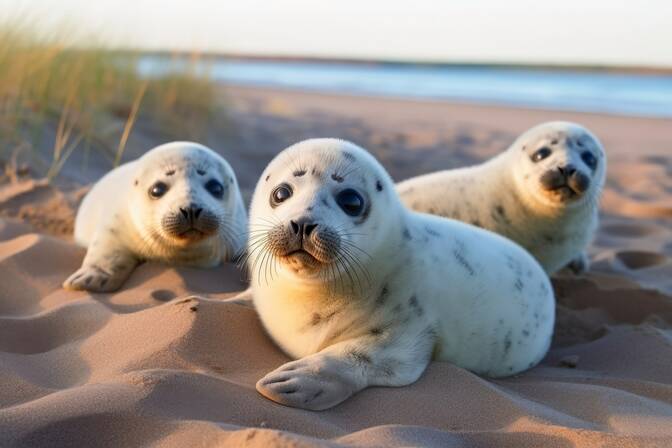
(376, 331)
(499, 215)
(526, 333)
(413, 303)
(379, 186)
(554, 142)
(431, 231)
(170, 173)
(507, 342)
(530, 365)
(103, 282)
(459, 257)
(325, 203)
(337, 178)
(308, 209)
(359, 357)
(519, 285)
(315, 172)
(397, 308)
(510, 368)
(382, 297)
(136, 182)
(268, 177)
(200, 172)
(193, 308)
(299, 173)
(407, 233)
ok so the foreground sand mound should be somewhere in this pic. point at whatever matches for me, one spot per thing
(152, 365)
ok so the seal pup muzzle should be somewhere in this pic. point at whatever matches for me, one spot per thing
(178, 204)
(364, 292)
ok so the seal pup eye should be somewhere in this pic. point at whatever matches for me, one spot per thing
(541, 154)
(350, 201)
(215, 188)
(158, 189)
(280, 194)
(589, 159)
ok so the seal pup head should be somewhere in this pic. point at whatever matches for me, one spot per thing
(559, 165)
(183, 193)
(321, 211)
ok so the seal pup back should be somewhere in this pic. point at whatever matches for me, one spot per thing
(363, 292)
(179, 203)
(542, 192)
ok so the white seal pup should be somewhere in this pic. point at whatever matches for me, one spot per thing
(179, 203)
(542, 192)
(364, 291)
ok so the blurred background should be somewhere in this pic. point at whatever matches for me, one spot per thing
(424, 85)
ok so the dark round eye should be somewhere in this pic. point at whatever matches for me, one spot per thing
(589, 159)
(350, 201)
(280, 194)
(158, 189)
(215, 188)
(540, 154)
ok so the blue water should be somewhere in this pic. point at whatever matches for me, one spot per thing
(623, 94)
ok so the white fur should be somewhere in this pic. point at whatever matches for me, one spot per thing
(420, 286)
(556, 233)
(121, 225)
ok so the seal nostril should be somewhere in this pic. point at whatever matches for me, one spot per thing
(184, 212)
(308, 229)
(197, 212)
(295, 227)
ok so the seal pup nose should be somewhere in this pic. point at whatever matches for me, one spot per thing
(191, 213)
(302, 227)
(567, 170)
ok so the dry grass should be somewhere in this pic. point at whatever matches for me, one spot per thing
(91, 98)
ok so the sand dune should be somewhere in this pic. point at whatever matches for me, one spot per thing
(170, 361)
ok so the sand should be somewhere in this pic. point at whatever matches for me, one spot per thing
(168, 361)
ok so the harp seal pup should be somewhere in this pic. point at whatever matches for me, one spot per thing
(364, 292)
(178, 204)
(543, 192)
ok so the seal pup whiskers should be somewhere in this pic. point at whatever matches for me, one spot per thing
(179, 203)
(542, 192)
(364, 291)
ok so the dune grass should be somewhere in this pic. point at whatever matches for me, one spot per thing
(91, 97)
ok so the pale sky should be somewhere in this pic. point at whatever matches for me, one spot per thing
(602, 32)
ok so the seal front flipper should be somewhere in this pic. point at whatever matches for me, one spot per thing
(102, 271)
(327, 378)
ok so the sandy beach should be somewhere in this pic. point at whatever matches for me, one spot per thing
(168, 361)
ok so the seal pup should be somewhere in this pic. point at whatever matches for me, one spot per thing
(364, 291)
(179, 203)
(542, 192)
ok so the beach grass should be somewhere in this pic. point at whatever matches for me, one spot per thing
(90, 97)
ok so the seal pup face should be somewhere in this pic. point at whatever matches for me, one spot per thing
(560, 164)
(183, 191)
(319, 212)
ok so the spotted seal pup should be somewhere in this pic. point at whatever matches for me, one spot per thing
(179, 203)
(363, 292)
